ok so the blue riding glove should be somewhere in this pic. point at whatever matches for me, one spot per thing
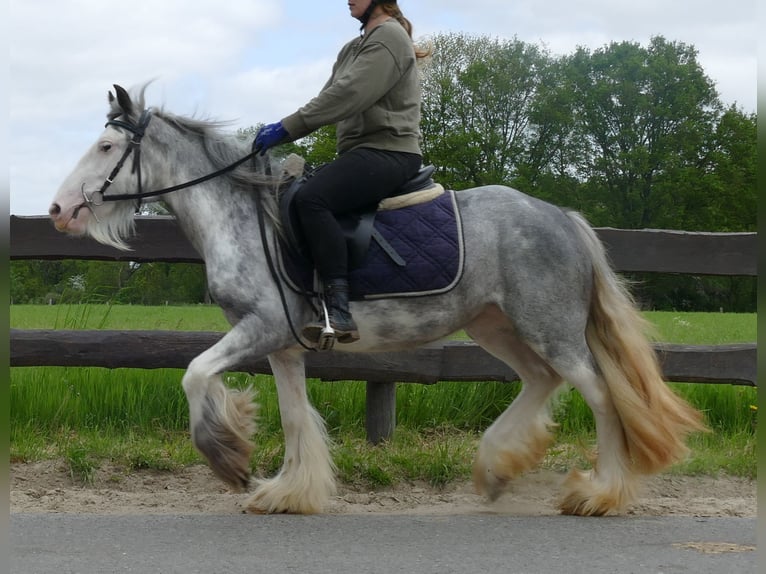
(269, 136)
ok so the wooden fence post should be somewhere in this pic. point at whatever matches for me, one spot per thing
(380, 411)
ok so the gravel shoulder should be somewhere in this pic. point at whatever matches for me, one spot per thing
(48, 487)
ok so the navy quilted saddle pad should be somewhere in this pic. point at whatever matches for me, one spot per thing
(427, 236)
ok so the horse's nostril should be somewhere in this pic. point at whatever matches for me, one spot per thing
(54, 210)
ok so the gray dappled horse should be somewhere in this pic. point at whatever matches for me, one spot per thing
(536, 291)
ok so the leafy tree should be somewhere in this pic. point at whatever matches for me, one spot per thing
(552, 166)
(478, 101)
(643, 115)
(718, 192)
(316, 148)
(733, 163)
(39, 281)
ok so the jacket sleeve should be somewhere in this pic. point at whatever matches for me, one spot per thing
(372, 74)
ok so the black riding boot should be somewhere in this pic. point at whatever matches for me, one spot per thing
(336, 292)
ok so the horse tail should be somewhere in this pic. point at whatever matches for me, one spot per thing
(655, 420)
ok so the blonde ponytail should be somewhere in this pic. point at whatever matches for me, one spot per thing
(393, 11)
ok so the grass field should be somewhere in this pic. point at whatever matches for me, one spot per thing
(138, 418)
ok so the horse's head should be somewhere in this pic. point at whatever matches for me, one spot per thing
(99, 197)
(79, 206)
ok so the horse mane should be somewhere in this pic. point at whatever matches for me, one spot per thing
(222, 148)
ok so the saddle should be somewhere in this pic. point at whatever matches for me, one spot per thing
(357, 226)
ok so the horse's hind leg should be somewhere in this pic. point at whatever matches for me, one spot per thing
(307, 478)
(516, 442)
(611, 485)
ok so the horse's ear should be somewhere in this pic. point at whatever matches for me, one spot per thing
(123, 99)
(110, 95)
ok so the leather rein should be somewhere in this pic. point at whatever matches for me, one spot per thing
(134, 147)
(99, 197)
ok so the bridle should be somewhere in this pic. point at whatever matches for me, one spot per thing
(99, 197)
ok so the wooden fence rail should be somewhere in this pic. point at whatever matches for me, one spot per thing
(159, 239)
(648, 250)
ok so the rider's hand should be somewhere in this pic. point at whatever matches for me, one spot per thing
(269, 136)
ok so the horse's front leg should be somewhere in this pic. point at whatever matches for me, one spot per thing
(222, 420)
(307, 478)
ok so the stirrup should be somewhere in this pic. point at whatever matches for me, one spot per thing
(327, 337)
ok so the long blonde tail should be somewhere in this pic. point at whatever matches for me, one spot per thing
(655, 420)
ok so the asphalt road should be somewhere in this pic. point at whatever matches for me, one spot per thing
(359, 544)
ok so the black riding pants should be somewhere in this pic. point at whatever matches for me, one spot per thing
(355, 180)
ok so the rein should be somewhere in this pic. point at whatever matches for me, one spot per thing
(275, 275)
(138, 131)
(134, 147)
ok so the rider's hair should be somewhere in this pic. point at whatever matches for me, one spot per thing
(392, 9)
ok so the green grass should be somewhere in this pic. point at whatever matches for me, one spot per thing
(138, 418)
(122, 317)
(704, 328)
(684, 328)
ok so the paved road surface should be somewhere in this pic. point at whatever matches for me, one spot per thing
(360, 544)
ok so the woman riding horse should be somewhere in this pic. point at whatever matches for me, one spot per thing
(373, 97)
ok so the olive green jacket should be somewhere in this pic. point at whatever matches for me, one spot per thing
(373, 95)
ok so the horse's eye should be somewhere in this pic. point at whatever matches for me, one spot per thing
(105, 146)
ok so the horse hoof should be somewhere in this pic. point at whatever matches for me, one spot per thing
(259, 506)
(229, 460)
(255, 510)
(587, 495)
(487, 483)
(238, 479)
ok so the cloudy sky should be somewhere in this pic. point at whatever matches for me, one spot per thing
(252, 61)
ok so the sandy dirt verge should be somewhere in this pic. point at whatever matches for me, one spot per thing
(48, 487)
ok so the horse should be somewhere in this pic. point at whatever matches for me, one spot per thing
(537, 291)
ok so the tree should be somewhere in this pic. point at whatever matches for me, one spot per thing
(718, 191)
(643, 115)
(317, 148)
(40, 281)
(733, 161)
(552, 166)
(479, 98)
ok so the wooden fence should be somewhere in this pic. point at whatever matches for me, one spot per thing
(159, 239)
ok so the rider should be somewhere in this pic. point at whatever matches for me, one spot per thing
(373, 97)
